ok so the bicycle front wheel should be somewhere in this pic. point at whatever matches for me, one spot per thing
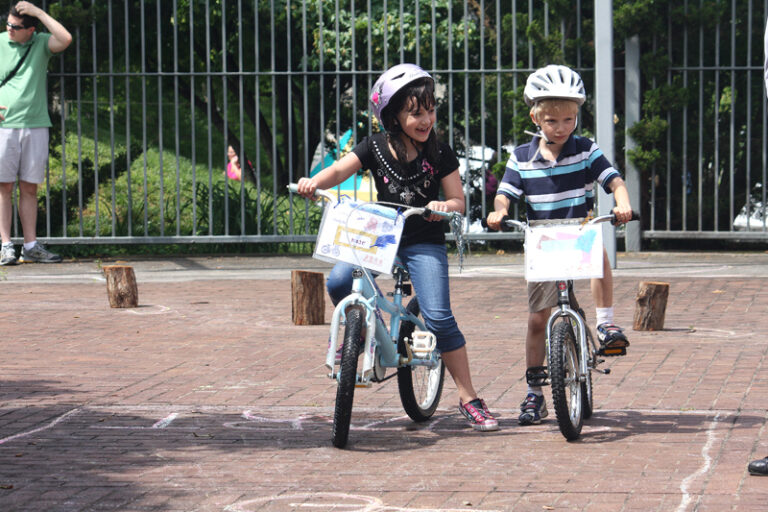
(566, 388)
(345, 392)
(587, 403)
(420, 387)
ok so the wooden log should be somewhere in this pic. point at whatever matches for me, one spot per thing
(307, 297)
(651, 306)
(121, 286)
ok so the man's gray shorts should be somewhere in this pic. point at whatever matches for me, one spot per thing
(23, 154)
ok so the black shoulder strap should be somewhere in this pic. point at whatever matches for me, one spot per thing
(16, 69)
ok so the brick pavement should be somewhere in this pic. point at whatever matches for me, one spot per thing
(208, 398)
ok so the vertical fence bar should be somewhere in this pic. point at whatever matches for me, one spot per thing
(176, 139)
(337, 89)
(113, 176)
(192, 114)
(95, 93)
(161, 192)
(353, 69)
(450, 71)
(257, 114)
(716, 170)
(289, 97)
(144, 118)
(748, 117)
(209, 111)
(273, 135)
(129, 207)
(79, 102)
(732, 120)
(417, 26)
(684, 178)
(305, 103)
(668, 193)
(700, 131)
(225, 111)
(242, 156)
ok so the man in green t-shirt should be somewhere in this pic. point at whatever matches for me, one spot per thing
(24, 123)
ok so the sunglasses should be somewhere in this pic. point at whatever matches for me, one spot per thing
(15, 27)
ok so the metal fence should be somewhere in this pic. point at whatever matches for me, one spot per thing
(150, 95)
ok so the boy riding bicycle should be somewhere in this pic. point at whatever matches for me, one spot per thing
(556, 172)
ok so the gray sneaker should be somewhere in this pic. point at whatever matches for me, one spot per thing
(7, 255)
(38, 254)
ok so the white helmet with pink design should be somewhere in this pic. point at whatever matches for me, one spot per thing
(391, 81)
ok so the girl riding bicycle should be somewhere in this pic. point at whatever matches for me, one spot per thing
(410, 167)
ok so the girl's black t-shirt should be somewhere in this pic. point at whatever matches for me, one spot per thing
(415, 183)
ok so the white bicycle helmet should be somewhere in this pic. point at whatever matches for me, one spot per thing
(391, 81)
(554, 81)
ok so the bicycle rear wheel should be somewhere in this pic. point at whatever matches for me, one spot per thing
(420, 387)
(566, 389)
(345, 392)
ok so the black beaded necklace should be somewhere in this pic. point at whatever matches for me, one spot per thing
(407, 186)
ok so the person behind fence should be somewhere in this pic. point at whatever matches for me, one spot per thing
(410, 167)
(234, 172)
(556, 172)
(24, 123)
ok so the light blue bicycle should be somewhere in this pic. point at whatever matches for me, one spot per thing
(358, 325)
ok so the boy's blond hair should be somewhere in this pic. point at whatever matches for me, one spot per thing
(554, 106)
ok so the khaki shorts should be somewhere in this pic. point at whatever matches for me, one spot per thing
(23, 154)
(542, 295)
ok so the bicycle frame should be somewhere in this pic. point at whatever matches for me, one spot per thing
(367, 294)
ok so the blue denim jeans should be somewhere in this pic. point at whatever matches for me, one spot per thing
(428, 266)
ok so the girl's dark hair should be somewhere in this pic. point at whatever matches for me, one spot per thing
(422, 92)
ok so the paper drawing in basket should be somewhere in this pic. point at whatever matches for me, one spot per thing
(563, 252)
(361, 234)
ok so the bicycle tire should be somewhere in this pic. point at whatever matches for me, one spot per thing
(587, 400)
(420, 387)
(566, 390)
(345, 392)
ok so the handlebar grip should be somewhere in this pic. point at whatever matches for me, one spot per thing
(293, 187)
(635, 216)
(503, 226)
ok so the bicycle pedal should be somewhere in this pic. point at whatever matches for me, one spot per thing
(612, 352)
(423, 343)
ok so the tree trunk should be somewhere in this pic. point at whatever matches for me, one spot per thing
(651, 306)
(307, 297)
(121, 286)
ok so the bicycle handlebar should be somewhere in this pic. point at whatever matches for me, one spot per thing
(508, 223)
(424, 212)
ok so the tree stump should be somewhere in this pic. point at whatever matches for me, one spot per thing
(121, 286)
(651, 306)
(307, 297)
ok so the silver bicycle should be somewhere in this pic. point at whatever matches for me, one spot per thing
(572, 352)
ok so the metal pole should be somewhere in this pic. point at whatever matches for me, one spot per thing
(604, 108)
(632, 175)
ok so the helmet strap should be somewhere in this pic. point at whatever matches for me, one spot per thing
(539, 134)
